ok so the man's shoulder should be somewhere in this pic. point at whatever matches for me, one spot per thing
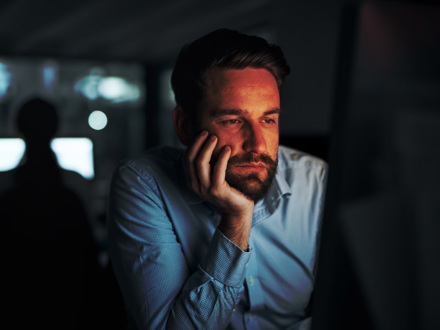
(293, 158)
(300, 169)
(162, 161)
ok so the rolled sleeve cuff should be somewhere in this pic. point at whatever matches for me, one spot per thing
(225, 261)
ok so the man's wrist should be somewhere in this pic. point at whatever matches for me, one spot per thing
(237, 228)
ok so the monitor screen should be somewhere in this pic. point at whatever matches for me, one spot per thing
(73, 153)
(11, 152)
(380, 231)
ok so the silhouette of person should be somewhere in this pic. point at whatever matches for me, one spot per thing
(47, 243)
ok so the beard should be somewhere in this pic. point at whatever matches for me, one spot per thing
(251, 185)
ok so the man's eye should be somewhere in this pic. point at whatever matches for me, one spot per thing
(230, 122)
(269, 121)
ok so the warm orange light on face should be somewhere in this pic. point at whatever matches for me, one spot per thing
(241, 107)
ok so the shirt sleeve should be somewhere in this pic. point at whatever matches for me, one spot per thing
(158, 289)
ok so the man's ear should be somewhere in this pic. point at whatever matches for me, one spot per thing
(181, 125)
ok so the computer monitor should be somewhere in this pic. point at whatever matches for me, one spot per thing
(11, 153)
(72, 153)
(376, 267)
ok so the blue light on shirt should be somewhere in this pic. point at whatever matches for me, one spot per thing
(168, 253)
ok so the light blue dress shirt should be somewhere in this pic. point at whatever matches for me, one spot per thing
(176, 270)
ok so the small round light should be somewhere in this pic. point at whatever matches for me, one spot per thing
(97, 120)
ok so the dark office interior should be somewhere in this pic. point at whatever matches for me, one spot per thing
(363, 94)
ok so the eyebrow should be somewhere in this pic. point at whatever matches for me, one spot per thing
(235, 112)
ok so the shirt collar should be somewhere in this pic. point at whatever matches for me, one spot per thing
(271, 201)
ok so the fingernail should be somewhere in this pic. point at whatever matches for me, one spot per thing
(204, 132)
(213, 138)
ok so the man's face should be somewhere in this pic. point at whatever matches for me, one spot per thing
(241, 107)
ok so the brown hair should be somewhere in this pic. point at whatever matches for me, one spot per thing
(226, 49)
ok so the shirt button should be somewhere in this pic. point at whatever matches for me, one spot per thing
(249, 318)
(251, 280)
(247, 264)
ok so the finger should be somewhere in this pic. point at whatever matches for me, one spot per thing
(193, 150)
(219, 170)
(190, 156)
(203, 162)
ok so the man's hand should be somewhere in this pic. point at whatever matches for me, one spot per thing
(208, 181)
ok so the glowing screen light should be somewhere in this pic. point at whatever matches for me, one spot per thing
(88, 85)
(75, 154)
(11, 152)
(5, 79)
(49, 77)
(97, 120)
(113, 89)
(118, 90)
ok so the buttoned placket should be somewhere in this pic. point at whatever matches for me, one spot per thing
(255, 292)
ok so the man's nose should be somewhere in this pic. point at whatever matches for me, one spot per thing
(255, 141)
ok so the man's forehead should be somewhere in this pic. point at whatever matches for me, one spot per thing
(239, 83)
(218, 74)
(215, 113)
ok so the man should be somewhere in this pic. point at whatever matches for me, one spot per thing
(43, 217)
(222, 235)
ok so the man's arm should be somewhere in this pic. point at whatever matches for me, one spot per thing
(208, 181)
(148, 261)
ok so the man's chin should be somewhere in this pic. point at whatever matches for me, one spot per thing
(252, 182)
(251, 186)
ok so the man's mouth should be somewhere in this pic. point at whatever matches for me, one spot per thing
(254, 167)
(251, 165)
